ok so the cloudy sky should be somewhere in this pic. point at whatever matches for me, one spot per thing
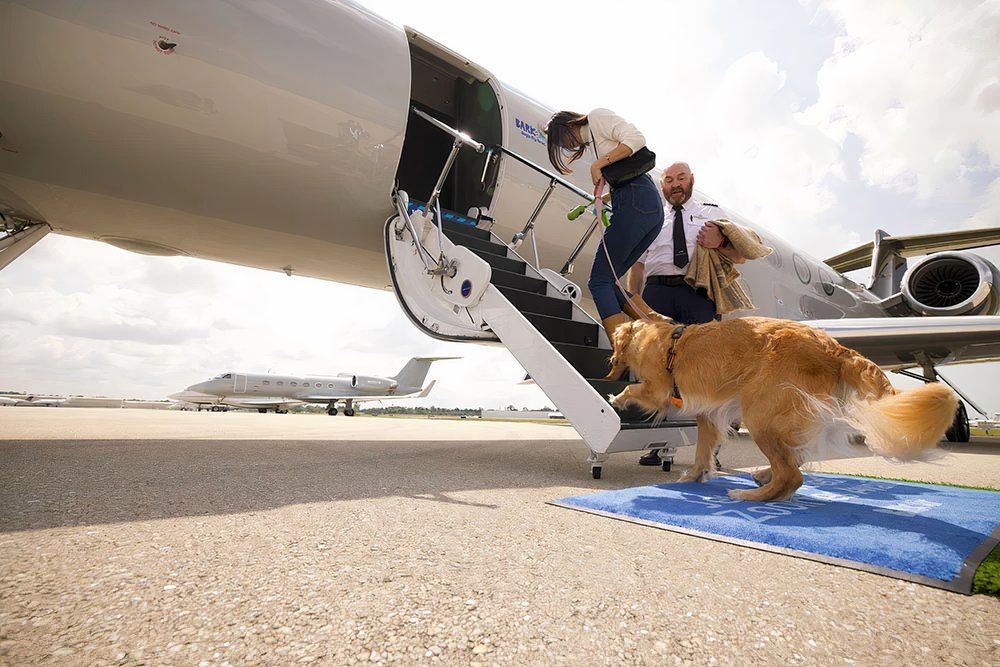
(820, 120)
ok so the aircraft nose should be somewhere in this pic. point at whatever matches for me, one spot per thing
(201, 386)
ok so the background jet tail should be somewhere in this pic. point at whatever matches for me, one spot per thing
(415, 371)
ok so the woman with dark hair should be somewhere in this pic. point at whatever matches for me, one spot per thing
(638, 211)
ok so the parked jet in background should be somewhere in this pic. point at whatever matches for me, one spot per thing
(32, 400)
(277, 392)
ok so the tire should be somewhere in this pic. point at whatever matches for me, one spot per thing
(667, 463)
(332, 412)
(349, 412)
(960, 430)
(596, 472)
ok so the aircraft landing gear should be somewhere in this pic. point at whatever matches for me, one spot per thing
(332, 411)
(215, 408)
(349, 412)
(263, 410)
(959, 431)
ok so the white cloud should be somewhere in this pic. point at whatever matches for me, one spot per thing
(122, 327)
(917, 82)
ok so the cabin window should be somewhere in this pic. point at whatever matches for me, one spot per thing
(267, 382)
(330, 386)
(319, 384)
(281, 383)
(294, 384)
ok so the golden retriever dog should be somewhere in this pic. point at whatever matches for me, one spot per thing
(789, 382)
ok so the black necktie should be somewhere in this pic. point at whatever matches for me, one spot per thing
(680, 243)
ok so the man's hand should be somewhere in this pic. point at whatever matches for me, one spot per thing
(710, 236)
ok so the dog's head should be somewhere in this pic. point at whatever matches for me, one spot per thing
(621, 341)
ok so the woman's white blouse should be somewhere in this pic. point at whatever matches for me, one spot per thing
(609, 130)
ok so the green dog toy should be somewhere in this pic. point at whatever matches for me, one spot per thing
(575, 213)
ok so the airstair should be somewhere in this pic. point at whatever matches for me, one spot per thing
(457, 280)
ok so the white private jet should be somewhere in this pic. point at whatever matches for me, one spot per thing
(265, 391)
(298, 136)
(32, 401)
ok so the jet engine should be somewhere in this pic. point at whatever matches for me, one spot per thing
(952, 283)
(372, 385)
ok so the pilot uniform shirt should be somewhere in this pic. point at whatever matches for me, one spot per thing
(659, 257)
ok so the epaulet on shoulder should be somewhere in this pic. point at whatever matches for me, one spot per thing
(708, 203)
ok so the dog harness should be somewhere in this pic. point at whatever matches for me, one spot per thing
(675, 336)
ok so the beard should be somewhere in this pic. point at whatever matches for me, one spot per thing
(678, 194)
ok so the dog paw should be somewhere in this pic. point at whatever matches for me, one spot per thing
(695, 475)
(762, 476)
(740, 494)
(618, 401)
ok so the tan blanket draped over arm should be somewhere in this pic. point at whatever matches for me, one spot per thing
(714, 272)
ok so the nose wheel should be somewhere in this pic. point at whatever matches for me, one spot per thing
(332, 412)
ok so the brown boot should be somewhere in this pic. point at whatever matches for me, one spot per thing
(613, 322)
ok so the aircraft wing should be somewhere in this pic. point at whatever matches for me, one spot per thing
(259, 401)
(916, 245)
(899, 342)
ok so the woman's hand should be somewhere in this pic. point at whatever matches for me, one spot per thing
(595, 170)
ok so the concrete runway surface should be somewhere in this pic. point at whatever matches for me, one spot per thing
(132, 536)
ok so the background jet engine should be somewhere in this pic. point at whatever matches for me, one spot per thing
(952, 283)
(372, 385)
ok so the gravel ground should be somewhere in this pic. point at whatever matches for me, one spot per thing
(437, 549)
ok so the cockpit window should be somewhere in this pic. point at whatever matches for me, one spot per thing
(226, 376)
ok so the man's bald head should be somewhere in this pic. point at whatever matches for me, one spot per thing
(677, 183)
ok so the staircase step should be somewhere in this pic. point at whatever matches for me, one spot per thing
(461, 238)
(468, 230)
(564, 331)
(519, 282)
(502, 263)
(529, 302)
(590, 362)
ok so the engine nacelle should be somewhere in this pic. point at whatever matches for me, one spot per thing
(952, 283)
(372, 385)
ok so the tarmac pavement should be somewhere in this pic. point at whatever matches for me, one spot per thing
(135, 537)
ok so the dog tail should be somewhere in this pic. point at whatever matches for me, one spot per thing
(896, 424)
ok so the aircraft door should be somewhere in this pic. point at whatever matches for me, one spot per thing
(240, 384)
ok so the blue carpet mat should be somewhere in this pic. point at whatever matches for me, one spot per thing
(935, 535)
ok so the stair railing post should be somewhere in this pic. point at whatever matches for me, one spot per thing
(529, 227)
(568, 266)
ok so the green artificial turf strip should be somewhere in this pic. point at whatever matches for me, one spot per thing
(914, 481)
(987, 579)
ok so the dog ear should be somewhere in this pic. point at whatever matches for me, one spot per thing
(620, 340)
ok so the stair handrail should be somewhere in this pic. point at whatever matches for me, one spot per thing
(433, 207)
(529, 227)
(444, 127)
